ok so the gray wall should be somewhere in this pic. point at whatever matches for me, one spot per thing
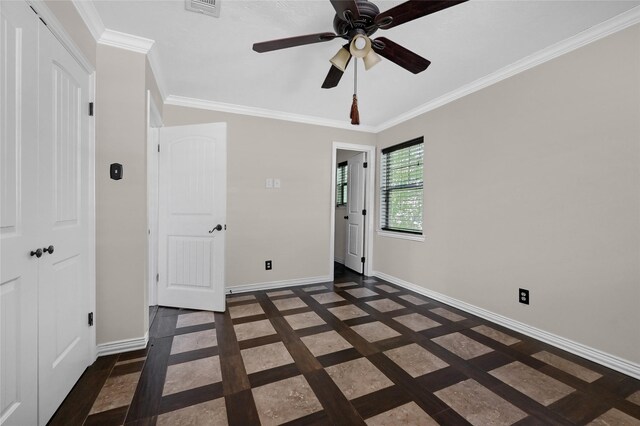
(535, 182)
(290, 226)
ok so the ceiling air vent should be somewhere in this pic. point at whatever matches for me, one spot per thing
(206, 7)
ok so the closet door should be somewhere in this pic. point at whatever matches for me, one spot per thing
(63, 205)
(18, 214)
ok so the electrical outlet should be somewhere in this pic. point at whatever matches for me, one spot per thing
(523, 296)
(267, 265)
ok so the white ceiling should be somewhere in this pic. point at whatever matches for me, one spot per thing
(211, 58)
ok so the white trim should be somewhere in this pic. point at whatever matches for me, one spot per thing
(277, 284)
(91, 213)
(611, 361)
(121, 346)
(261, 112)
(91, 17)
(370, 183)
(611, 26)
(339, 260)
(400, 235)
(154, 63)
(59, 32)
(126, 41)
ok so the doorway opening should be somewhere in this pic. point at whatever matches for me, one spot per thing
(352, 201)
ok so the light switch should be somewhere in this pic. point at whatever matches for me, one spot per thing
(276, 183)
(269, 183)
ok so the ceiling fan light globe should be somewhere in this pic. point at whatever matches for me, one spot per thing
(357, 41)
(341, 59)
(371, 59)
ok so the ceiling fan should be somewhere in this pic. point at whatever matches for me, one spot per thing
(355, 21)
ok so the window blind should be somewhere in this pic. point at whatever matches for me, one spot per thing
(401, 190)
(341, 184)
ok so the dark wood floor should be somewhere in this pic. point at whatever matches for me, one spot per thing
(352, 351)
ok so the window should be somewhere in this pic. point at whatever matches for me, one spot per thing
(401, 187)
(341, 184)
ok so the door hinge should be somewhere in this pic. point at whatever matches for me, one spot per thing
(45, 24)
(157, 277)
(364, 165)
(91, 109)
(34, 11)
(364, 212)
(362, 259)
(90, 319)
(158, 147)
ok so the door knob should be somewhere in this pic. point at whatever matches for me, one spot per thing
(346, 217)
(37, 253)
(218, 227)
(48, 249)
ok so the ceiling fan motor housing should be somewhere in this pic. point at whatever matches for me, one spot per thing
(363, 25)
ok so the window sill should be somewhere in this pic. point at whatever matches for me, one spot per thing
(401, 236)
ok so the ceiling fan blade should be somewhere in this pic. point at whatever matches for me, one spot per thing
(333, 78)
(283, 43)
(401, 56)
(412, 9)
(342, 6)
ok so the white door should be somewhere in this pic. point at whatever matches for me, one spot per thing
(192, 216)
(355, 206)
(63, 297)
(18, 214)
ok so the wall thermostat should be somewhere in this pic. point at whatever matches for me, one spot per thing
(116, 171)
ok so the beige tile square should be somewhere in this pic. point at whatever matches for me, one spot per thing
(245, 310)
(531, 382)
(327, 298)
(415, 360)
(358, 377)
(265, 357)
(347, 312)
(416, 322)
(251, 330)
(374, 331)
(304, 320)
(451, 316)
(193, 341)
(279, 293)
(286, 400)
(347, 284)
(192, 374)
(315, 288)
(234, 299)
(195, 318)
(385, 305)
(461, 345)
(387, 288)
(210, 413)
(635, 398)
(407, 414)
(325, 343)
(567, 366)
(117, 392)
(478, 405)
(496, 335)
(412, 299)
(615, 417)
(361, 292)
(289, 303)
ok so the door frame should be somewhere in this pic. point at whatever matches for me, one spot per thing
(67, 42)
(154, 122)
(369, 203)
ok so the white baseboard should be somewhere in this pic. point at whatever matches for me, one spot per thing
(277, 284)
(611, 361)
(121, 346)
(339, 260)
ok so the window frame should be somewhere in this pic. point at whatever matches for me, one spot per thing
(341, 201)
(385, 191)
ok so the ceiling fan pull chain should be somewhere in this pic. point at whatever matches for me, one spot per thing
(355, 115)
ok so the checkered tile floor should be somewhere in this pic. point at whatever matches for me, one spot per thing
(360, 351)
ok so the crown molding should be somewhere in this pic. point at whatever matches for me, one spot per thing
(261, 112)
(597, 32)
(91, 17)
(126, 41)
